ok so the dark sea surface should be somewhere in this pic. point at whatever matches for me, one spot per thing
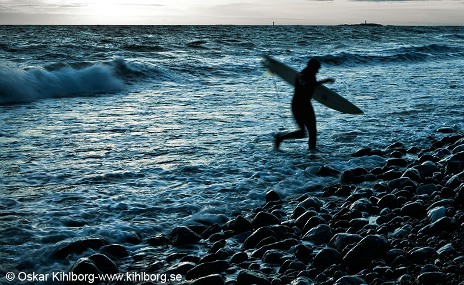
(122, 132)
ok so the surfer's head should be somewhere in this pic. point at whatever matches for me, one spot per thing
(314, 65)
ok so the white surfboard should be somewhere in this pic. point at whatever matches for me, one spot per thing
(322, 94)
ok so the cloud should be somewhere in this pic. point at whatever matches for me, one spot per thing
(30, 5)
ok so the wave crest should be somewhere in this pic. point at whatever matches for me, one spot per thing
(55, 81)
(398, 55)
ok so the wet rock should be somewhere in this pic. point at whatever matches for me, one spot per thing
(422, 254)
(401, 162)
(293, 266)
(303, 218)
(358, 223)
(401, 183)
(327, 171)
(302, 280)
(414, 210)
(240, 225)
(207, 268)
(444, 224)
(298, 212)
(459, 199)
(458, 148)
(342, 240)
(431, 278)
(158, 240)
(427, 169)
(362, 205)
(155, 266)
(406, 279)
(413, 174)
(182, 235)
(114, 251)
(369, 248)
(217, 246)
(396, 145)
(247, 277)
(350, 280)
(104, 264)
(256, 237)
(272, 196)
(427, 189)
(391, 174)
(263, 219)
(239, 257)
(362, 152)
(455, 180)
(401, 232)
(429, 268)
(84, 267)
(180, 268)
(445, 130)
(273, 256)
(303, 252)
(76, 246)
(354, 176)
(388, 201)
(327, 257)
(436, 213)
(267, 241)
(311, 203)
(446, 250)
(283, 245)
(213, 279)
(458, 156)
(210, 231)
(319, 234)
(312, 222)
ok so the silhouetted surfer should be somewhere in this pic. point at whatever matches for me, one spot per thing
(302, 109)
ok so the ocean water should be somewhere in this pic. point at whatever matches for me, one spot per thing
(120, 132)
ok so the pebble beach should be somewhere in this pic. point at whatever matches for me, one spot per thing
(397, 224)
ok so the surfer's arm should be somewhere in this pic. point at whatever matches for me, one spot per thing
(328, 80)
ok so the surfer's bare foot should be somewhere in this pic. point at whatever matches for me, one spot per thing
(312, 148)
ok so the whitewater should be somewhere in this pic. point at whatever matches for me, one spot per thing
(123, 132)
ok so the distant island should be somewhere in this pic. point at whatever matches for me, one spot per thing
(364, 24)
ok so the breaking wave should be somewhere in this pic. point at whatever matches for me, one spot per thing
(60, 80)
(399, 55)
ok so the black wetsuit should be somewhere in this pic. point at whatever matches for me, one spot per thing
(302, 109)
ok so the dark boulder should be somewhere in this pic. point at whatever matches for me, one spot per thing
(76, 246)
(327, 257)
(369, 248)
(263, 219)
(207, 268)
(247, 277)
(319, 234)
(182, 235)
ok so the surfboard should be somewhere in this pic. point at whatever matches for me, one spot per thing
(322, 94)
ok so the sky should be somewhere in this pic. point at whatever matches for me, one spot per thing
(237, 12)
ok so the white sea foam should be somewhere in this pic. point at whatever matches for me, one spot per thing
(27, 85)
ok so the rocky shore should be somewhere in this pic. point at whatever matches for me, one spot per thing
(402, 223)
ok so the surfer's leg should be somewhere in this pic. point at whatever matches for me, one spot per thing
(299, 116)
(310, 124)
(299, 134)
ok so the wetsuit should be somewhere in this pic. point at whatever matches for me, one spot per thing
(302, 109)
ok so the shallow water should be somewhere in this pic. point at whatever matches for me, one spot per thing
(121, 131)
